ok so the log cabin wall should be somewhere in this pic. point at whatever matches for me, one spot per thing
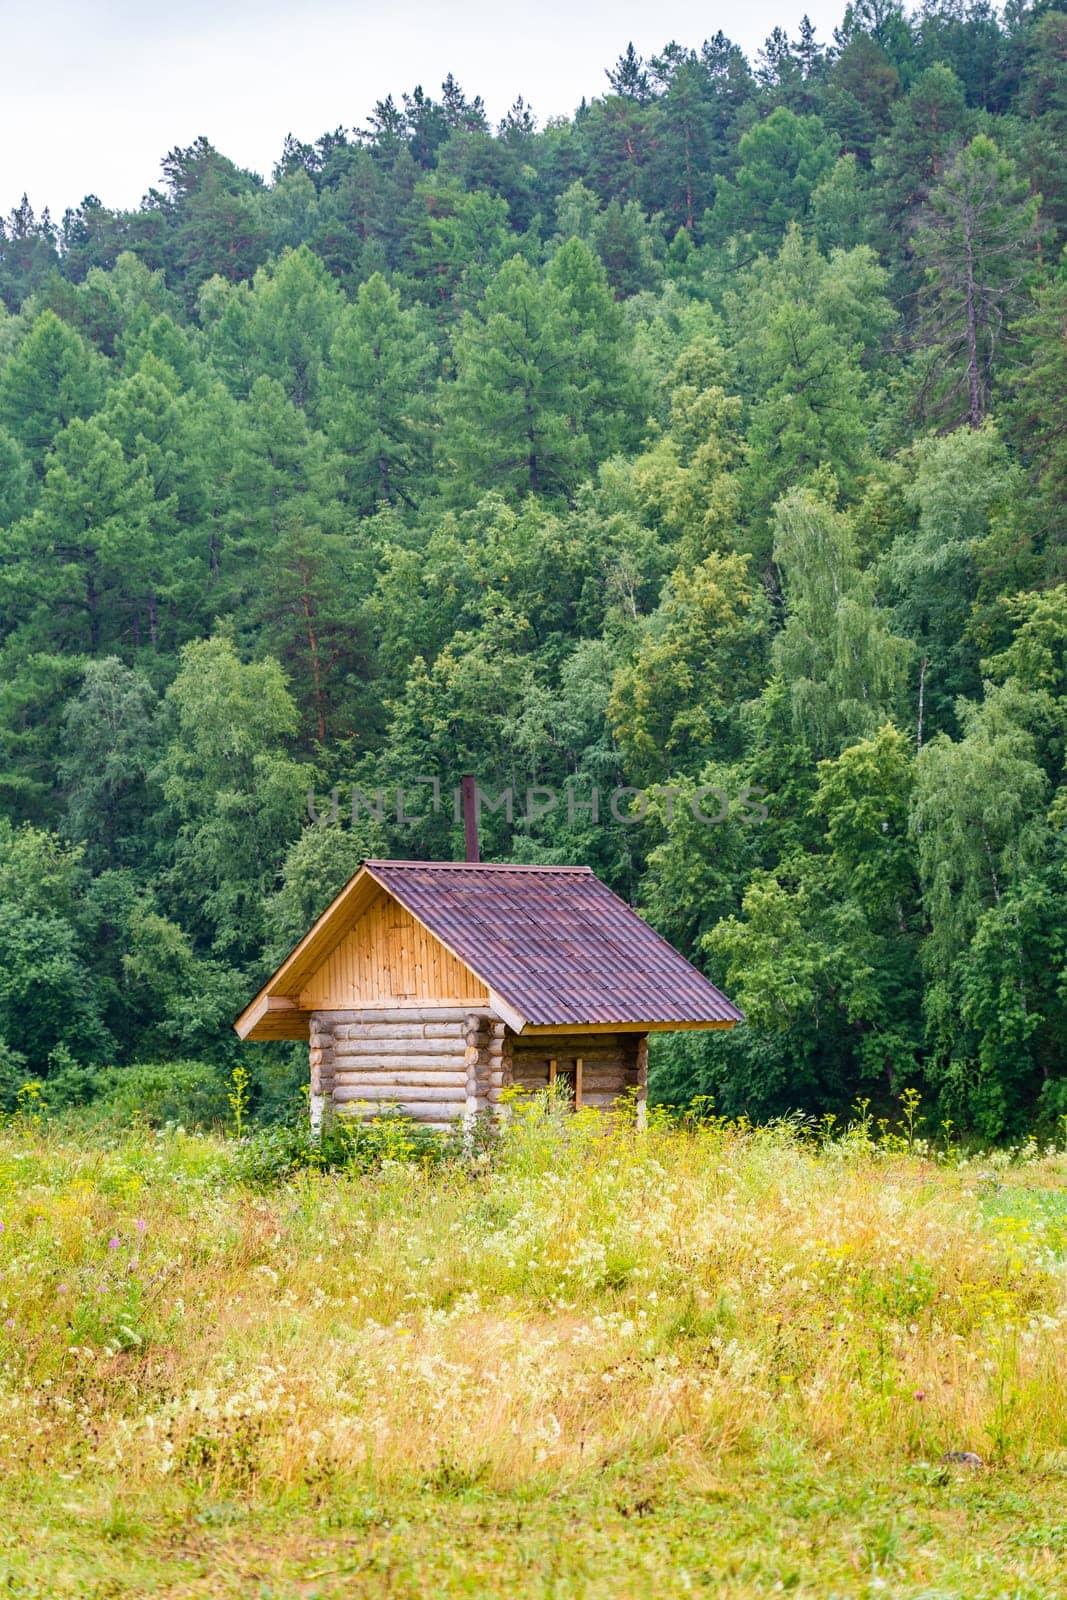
(320, 1055)
(437, 1064)
(611, 1063)
(440, 1065)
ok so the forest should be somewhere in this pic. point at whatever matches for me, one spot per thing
(710, 442)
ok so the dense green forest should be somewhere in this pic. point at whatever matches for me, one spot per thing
(710, 441)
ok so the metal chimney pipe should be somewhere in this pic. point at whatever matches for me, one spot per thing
(470, 817)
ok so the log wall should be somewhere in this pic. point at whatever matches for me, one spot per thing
(611, 1063)
(320, 1055)
(444, 1064)
(413, 1059)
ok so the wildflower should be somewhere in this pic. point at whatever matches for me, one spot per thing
(113, 1244)
(140, 1224)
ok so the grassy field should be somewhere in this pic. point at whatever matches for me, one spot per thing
(720, 1361)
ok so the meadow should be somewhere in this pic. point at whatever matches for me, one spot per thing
(707, 1359)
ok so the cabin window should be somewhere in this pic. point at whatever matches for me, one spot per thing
(570, 1077)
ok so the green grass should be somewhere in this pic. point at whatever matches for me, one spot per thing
(1039, 1215)
(715, 1361)
(800, 1528)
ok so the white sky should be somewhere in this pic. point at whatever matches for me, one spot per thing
(92, 94)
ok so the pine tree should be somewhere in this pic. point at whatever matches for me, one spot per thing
(1043, 102)
(301, 577)
(606, 405)
(468, 115)
(211, 216)
(629, 78)
(782, 160)
(927, 126)
(508, 414)
(976, 244)
(802, 324)
(688, 148)
(50, 379)
(456, 243)
(27, 252)
(1037, 410)
(518, 124)
(378, 405)
(87, 565)
(16, 480)
(293, 313)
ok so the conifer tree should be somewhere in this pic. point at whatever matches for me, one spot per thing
(509, 412)
(51, 379)
(378, 403)
(976, 245)
(629, 78)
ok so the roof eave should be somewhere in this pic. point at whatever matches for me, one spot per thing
(646, 1025)
(272, 1017)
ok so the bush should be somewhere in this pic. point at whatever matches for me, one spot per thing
(13, 1074)
(1052, 1109)
(274, 1154)
(69, 1082)
(189, 1092)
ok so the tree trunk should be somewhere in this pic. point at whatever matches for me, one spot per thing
(313, 651)
(688, 181)
(94, 618)
(974, 387)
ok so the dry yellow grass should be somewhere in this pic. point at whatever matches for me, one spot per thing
(646, 1326)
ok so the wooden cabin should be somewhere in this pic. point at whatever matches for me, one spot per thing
(434, 986)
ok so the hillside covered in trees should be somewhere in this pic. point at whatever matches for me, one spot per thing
(711, 441)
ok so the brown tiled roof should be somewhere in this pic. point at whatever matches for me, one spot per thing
(555, 943)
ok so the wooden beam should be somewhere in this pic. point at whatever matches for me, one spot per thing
(310, 951)
(273, 1017)
(578, 1083)
(508, 1013)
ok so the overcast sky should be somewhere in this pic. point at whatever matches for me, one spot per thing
(93, 94)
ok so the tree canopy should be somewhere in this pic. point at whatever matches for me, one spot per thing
(707, 448)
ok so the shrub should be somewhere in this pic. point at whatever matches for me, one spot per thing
(189, 1092)
(274, 1154)
(1051, 1119)
(13, 1075)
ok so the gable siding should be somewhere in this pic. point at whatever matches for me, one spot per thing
(389, 958)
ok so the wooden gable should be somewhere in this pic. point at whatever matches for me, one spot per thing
(387, 957)
(366, 949)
